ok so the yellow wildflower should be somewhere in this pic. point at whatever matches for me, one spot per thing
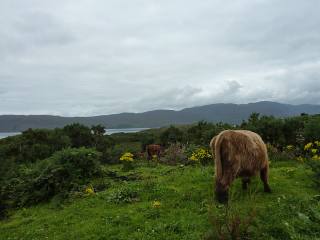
(308, 146)
(314, 150)
(316, 157)
(89, 190)
(156, 204)
(194, 158)
(200, 155)
(127, 157)
(300, 159)
(289, 147)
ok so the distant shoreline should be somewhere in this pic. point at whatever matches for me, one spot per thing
(217, 112)
(108, 131)
(8, 134)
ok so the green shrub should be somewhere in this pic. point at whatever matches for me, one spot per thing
(145, 140)
(277, 155)
(174, 154)
(171, 135)
(202, 133)
(190, 148)
(312, 159)
(33, 145)
(64, 171)
(315, 167)
(67, 170)
(117, 150)
(312, 129)
(200, 155)
(80, 135)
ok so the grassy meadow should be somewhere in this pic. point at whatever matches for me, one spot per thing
(77, 183)
(155, 201)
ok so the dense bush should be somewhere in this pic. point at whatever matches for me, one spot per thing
(37, 144)
(292, 131)
(312, 129)
(174, 154)
(171, 135)
(312, 159)
(147, 139)
(315, 167)
(33, 145)
(202, 133)
(282, 132)
(288, 153)
(117, 150)
(104, 145)
(80, 135)
(279, 132)
(64, 171)
(269, 127)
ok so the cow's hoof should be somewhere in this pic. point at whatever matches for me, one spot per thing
(222, 197)
(267, 189)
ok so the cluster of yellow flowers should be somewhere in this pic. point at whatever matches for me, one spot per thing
(316, 157)
(156, 204)
(89, 190)
(307, 146)
(312, 149)
(200, 155)
(290, 147)
(300, 159)
(127, 157)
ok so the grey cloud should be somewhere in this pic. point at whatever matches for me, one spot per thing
(101, 57)
(233, 86)
(40, 28)
(178, 98)
(28, 30)
(174, 98)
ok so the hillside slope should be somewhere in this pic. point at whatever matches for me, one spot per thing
(229, 113)
(184, 210)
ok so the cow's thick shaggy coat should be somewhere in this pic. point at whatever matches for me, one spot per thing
(153, 150)
(238, 153)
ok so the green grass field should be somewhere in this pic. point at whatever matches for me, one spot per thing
(126, 209)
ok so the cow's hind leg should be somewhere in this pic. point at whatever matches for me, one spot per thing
(264, 179)
(245, 183)
(149, 156)
(222, 186)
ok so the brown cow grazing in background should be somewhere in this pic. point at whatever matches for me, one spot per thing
(153, 149)
(238, 153)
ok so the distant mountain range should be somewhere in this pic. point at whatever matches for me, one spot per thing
(221, 112)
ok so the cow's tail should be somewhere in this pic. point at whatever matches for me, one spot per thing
(212, 147)
(212, 144)
(218, 157)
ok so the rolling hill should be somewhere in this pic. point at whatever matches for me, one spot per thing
(230, 113)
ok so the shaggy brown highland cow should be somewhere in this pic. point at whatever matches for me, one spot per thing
(153, 149)
(238, 153)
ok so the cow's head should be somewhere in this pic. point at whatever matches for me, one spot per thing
(221, 193)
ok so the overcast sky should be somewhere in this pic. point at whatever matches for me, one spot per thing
(81, 58)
